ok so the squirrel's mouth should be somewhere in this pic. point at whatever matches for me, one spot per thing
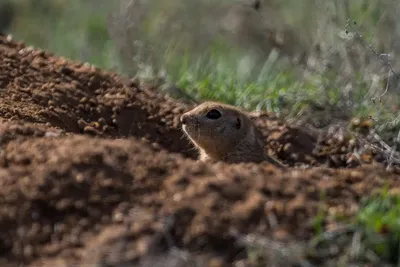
(191, 129)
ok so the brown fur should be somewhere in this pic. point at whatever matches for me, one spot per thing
(231, 138)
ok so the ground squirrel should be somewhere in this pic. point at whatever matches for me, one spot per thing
(224, 133)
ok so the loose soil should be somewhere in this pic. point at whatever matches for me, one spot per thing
(94, 169)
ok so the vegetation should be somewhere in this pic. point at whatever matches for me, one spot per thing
(371, 238)
(380, 217)
(281, 56)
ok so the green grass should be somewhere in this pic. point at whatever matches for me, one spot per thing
(371, 237)
(229, 75)
(380, 218)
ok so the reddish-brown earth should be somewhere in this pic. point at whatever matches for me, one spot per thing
(95, 170)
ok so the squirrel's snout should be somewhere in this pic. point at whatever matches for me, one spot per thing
(189, 120)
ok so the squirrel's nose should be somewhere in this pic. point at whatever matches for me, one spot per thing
(184, 119)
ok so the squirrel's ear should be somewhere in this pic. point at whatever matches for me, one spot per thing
(238, 124)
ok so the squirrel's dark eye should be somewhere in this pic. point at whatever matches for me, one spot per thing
(213, 114)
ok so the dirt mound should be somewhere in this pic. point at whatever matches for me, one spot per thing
(78, 98)
(96, 200)
(94, 170)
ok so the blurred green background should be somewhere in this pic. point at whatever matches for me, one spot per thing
(74, 29)
(292, 57)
